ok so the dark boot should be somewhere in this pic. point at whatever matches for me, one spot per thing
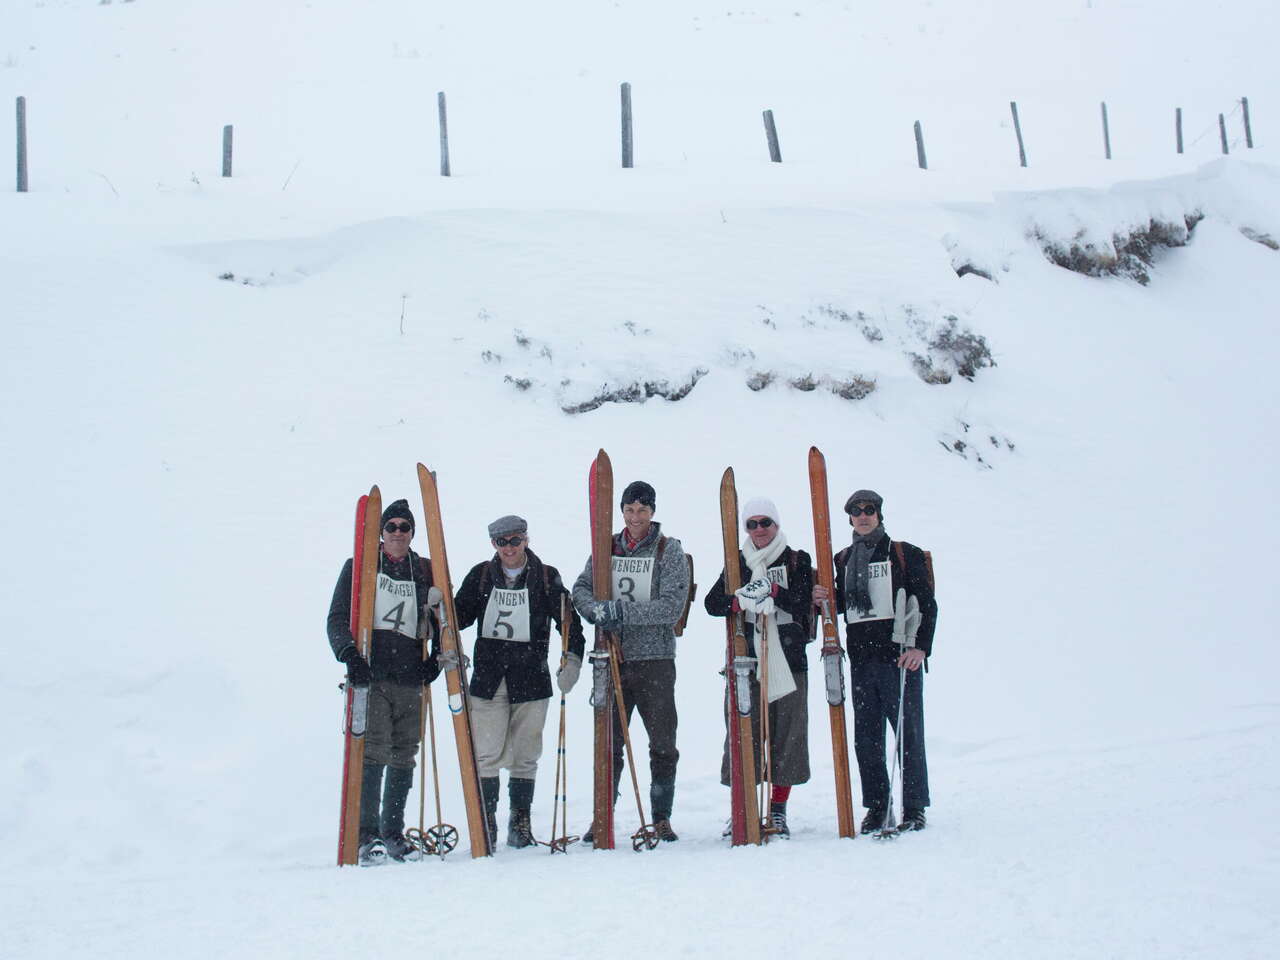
(372, 851)
(912, 819)
(370, 802)
(661, 798)
(778, 819)
(877, 818)
(394, 794)
(489, 789)
(519, 829)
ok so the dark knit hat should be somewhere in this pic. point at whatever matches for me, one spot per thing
(864, 496)
(401, 510)
(640, 492)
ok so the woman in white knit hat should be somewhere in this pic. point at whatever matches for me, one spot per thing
(778, 583)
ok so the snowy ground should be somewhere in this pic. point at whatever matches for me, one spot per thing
(184, 451)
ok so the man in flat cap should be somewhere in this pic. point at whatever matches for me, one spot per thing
(395, 674)
(649, 597)
(884, 589)
(515, 598)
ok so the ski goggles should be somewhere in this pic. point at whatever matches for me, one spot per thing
(508, 541)
(764, 523)
(393, 527)
(867, 509)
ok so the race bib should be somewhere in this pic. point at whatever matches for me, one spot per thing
(778, 575)
(633, 579)
(880, 584)
(506, 616)
(395, 606)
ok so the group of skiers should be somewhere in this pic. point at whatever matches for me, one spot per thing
(515, 599)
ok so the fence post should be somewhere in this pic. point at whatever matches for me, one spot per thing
(1017, 128)
(920, 158)
(1222, 132)
(1106, 131)
(444, 135)
(628, 142)
(771, 134)
(22, 144)
(1248, 129)
(226, 150)
(1177, 126)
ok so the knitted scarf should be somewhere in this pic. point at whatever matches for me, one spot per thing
(857, 573)
(781, 681)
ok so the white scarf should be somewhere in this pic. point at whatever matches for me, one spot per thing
(780, 680)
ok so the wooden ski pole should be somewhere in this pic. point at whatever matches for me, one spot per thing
(766, 745)
(560, 799)
(646, 838)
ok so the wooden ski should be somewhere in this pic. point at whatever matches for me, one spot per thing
(364, 582)
(744, 808)
(455, 676)
(832, 652)
(600, 496)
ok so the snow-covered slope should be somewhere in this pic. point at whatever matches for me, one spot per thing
(200, 375)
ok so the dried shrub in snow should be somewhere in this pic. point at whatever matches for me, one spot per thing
(638, 392)
(759, 380)
(855, 388)
(1127, 255)
(1263, 238)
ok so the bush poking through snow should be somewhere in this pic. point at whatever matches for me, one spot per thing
(855, 388)
(759, 380)
(1127, 255)
(1263, 238)
(966, 349)
(967, 268)
(638, 393)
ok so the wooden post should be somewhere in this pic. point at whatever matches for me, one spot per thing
(226, 150)
(1177, 126)
(1017, 128)
(444, 135)
(1106, 131)
(771, 135)
(628, 142)
(1248, 129)
(1222, 132)
(22, 144)
(920, 158)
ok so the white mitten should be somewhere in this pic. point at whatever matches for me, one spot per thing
(906, 619)
(756, 597)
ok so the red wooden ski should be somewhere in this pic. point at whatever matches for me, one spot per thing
(364, 573)
(832, 652)
(744, 808)
(600, 495)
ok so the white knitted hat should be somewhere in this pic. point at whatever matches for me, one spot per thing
(760, 507)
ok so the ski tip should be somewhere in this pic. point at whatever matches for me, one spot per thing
(374, 492)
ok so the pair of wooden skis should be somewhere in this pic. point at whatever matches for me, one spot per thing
(363, 587)
(746, 824)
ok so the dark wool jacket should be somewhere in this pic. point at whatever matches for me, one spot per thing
(522, 664)
(796, 600)
(874, 640)
(395, 658)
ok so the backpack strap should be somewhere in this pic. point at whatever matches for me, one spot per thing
(902, 563)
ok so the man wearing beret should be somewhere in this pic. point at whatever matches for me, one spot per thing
(395, 674)
(650, 590)
(515, 598)
(877, 581)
